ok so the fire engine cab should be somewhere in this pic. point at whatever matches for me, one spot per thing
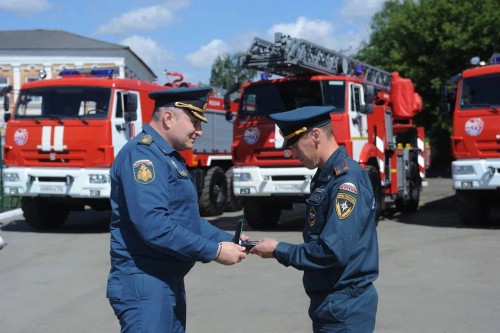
(475, 141)
(65, 132)
(372, 119)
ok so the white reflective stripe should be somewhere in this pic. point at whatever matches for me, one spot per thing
(420, 144)
(381, 164)
(58, 138)
(421, 161)
(46, 136)
(379, 143)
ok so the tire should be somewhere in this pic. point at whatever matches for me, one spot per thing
(414, 183)
(261, 213)
(233, 203)
(41, 214)
(374, 175)
(214, 193)
(472, 207)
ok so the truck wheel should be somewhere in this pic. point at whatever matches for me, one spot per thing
(261, 213)
(377, 190)
(414, 183)
(233, 202)
(40, 214)
(473, 209)
(415, 188)
(214, 193)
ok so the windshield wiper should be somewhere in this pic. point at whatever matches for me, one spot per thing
(56, 118)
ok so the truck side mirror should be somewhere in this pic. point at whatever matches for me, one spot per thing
(227, 100)
(444, 104)
(369, 97)
(130, 103)
(6, 103)
(369, 94)
(5, 91)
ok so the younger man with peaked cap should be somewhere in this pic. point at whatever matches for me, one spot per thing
(157, 234)
(339, 255)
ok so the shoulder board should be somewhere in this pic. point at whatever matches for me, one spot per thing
(341, 168)
(146, 140)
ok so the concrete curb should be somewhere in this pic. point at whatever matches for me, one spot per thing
(11, 213)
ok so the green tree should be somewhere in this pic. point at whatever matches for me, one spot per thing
(227, 70)
(429, 41)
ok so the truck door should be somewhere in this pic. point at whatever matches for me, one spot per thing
(358, 121)
(127, 120)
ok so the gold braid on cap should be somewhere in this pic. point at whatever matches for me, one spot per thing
(191, 106)
(291, 135)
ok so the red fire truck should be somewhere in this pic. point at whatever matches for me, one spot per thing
(372, 119)
(64, 133)
(475, 140)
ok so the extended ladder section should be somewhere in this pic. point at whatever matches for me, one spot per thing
(294, 56)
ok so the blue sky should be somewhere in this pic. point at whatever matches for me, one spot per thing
(187, 35)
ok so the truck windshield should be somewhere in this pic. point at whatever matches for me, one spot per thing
(63, 102)
(271, 97)
(480, 92)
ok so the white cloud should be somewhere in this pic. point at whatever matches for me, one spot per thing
(206, 55)
(146, 18)
(156, 57)
(316, 31)
(24, 6)
(360, 9)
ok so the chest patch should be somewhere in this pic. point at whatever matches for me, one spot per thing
(344, 205)
(144, 171)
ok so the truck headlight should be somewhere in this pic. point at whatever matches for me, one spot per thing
(463, 170)
(98, 179)
(242, 177)
(10, 177)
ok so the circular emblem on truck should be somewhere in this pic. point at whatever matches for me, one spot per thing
(21, 136)
(474, 126)
(251, 135)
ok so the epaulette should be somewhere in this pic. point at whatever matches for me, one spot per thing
(146, 140)
(341, 168)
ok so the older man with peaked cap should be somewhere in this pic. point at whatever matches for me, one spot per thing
(157, 234)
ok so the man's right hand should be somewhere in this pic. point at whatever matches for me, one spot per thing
(230, 253)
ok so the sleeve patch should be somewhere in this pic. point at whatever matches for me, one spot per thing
(144, 171)
(344, 205)
(349, 187)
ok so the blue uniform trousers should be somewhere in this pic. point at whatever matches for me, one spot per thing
(146, 304)
(348, 311)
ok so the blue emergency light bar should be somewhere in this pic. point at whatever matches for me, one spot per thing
(98, 72)
(495, 58)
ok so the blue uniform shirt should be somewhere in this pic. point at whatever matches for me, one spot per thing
(155, 223)
(340, 240)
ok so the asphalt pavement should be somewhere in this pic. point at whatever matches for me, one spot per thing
(435, 276)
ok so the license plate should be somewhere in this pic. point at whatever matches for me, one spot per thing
(56, 189)
(287, 188)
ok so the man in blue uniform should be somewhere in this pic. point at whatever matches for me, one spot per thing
(157, 234)
(339, 255)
